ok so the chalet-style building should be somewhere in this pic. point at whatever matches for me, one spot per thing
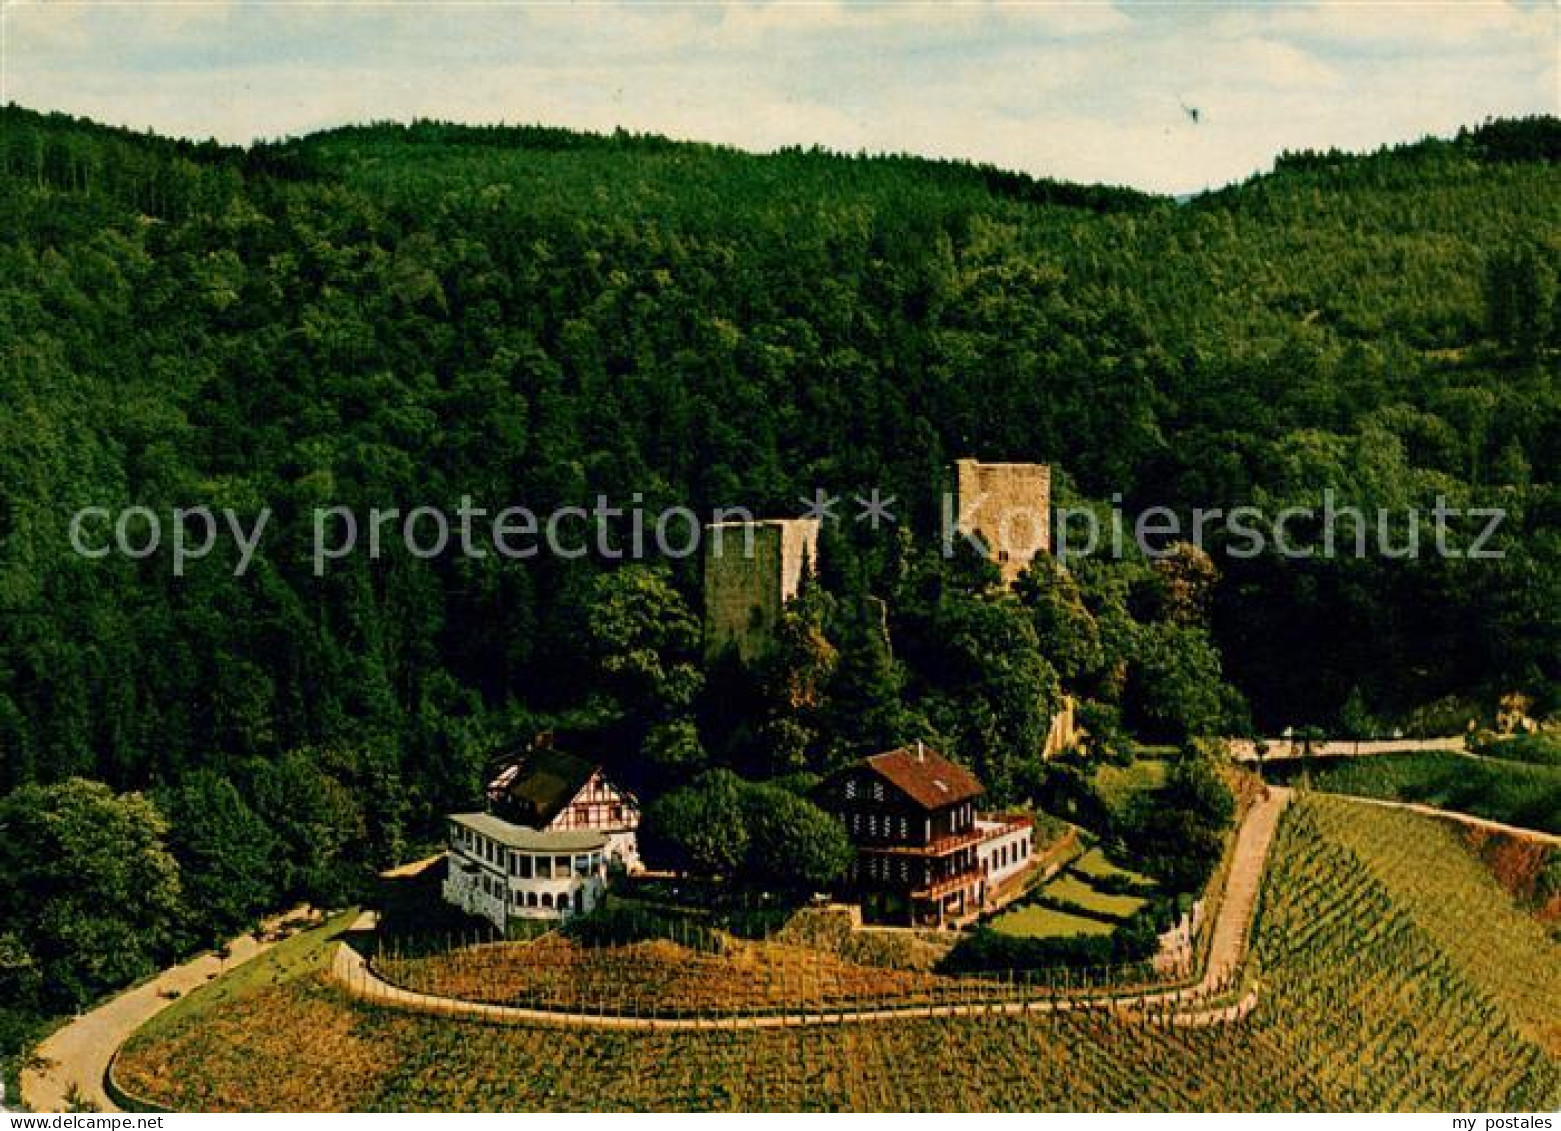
(923, 856)
(554, 832)
(548, 789)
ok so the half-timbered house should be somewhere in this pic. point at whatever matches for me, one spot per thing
(554, 832)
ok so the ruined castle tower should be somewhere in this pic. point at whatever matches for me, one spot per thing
(1008, 507)
(751, 570)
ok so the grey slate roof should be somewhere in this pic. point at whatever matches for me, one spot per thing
(530, 840)
(535, 787)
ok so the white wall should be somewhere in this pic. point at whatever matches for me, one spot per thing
(1017, 840)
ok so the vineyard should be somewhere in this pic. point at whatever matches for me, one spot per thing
(660, 978)
(1396, 975)
(653, 977)
(1509, 959)
(1514, 793)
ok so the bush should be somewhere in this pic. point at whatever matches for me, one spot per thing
(1179, 830)
(700, 828)
(793, 844)
(987, 950)
(1542, 749)
(1448, 715)
(1548, 884)
(723, 826)
(1116, 884)
(1108, 739)
(621, 922)
(1069, 792)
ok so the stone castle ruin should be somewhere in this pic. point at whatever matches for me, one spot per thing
(1007, 506)
(753, 567)
(751, 570)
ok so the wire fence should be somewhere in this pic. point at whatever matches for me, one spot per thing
(670, 984)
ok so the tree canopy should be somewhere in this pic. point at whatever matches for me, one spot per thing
(404, 316)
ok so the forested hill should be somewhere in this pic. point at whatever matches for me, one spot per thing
(387, 315)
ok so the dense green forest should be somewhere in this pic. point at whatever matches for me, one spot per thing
(394, 316)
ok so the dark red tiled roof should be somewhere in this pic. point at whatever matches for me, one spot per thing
(925, 776)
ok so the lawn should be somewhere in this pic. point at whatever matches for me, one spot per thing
(1071, 889)
(1094, 865)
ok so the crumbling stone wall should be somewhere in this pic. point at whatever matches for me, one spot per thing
(1008, 507)
(751, 570)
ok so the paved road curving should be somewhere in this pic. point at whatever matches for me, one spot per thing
(71, 1062)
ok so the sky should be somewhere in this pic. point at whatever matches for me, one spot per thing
(1083, 91)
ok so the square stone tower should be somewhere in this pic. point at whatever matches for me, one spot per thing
(1008, 507)
(751, 570)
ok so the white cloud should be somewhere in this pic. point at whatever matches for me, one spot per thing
(1405, 26)
(751, 22)
(1079, 91)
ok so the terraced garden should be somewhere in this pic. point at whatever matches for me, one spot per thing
(1076, 901)
(1397, 975)
(1033, 921)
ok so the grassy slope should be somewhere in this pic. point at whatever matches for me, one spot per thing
(1396, 976)
(305, 953)
(1037, 922)
(1542, 749)
(1094, 865)
(1511, 792)
(1119, 785)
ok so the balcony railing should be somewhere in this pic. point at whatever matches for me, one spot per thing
(942, 846)
(946, 886)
